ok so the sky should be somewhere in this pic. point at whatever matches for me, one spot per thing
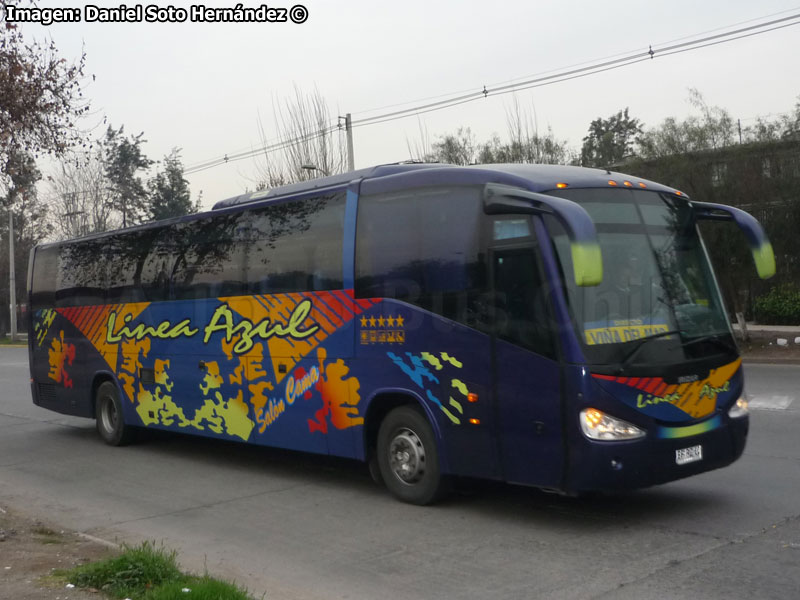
(205, 87)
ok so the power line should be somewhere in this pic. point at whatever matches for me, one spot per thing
(548, 78)
(687, 37)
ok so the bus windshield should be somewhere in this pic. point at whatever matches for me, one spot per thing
(657, 282)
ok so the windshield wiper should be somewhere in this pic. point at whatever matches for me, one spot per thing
(715, 339)
(626, 360)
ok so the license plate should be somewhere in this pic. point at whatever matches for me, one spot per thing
(688, 455)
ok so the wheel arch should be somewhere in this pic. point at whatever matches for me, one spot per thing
(381, 403)
(99, 379)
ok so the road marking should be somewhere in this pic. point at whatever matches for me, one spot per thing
(770, 402)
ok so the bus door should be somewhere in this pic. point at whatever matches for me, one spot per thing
(527, 382)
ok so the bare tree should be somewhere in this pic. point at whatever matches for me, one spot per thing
(523, 145)
(310, 142)
(420, 149)
(81, 198)
(40, 98)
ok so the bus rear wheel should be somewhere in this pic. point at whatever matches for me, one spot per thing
(408, 458)
(108, 414)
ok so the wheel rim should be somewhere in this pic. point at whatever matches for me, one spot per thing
(407, 456)
(108, 414)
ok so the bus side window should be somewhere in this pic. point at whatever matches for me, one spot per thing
(81, 274)
(157, 267)
(124, 256)
(208, 260)
(422, 246)
(45, 275)
(295, 246)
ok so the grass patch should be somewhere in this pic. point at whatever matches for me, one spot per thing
(199, 588)
(45, 535)
(147, 572)
(6, 341)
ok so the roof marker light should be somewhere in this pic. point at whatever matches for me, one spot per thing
(627, 184)
(612, 182)
(641, 185)
(561, 186)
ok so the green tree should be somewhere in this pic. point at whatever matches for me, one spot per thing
(169, 191)
(122, 160)
(40, 103)
(610, 140)
(30, 227)
(701, 155)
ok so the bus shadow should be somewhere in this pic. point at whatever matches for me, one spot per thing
(482, 498)
(676, 500)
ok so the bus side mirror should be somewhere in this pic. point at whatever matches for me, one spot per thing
(763, 254)
(587, 260)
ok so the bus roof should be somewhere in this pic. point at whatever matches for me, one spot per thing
(538, 177)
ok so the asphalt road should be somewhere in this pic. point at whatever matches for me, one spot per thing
(300, 527)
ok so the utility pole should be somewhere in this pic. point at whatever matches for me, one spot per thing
(348, 127)
(12, 290)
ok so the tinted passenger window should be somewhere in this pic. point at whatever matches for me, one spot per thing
(124, 256)
(207, 257)
(45, 272)
(295, 246)
(81, 275)
(422, 246)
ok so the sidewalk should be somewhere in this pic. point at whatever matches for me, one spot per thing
(764, 347)
(784, 330)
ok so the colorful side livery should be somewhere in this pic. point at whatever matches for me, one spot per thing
(432, 321)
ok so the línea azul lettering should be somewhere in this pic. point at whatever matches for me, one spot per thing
(221, 321)
(265, 329)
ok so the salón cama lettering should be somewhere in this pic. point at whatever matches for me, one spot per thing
(222, 321)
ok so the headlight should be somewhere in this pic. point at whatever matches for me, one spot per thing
(739, 409)
(597, 425)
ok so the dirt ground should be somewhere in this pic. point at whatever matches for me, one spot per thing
(30, 549)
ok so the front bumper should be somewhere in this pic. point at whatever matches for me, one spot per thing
(609, 466)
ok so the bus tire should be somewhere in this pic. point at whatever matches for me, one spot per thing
(108, 415)
(408, 457)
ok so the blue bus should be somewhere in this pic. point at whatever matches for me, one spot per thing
(556, 327)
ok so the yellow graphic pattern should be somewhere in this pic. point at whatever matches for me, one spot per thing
(42, 325)
(158, 408)
(219, 414)
(700, 398)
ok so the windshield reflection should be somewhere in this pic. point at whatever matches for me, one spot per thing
(657, 279)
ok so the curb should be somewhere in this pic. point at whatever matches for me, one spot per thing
(770, 361)
(97, 540)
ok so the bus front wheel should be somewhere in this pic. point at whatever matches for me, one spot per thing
(408, 457)
(108, 413)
